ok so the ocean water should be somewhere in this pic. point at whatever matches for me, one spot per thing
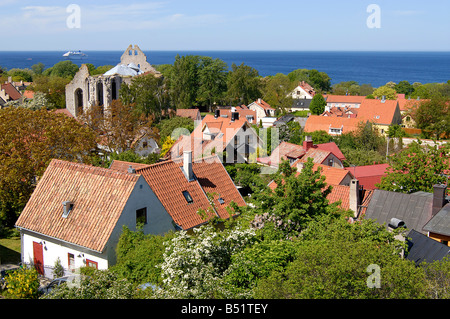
(376, 68)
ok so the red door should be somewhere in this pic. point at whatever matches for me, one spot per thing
(38, 257)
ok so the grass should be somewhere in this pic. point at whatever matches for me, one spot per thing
(10, 250)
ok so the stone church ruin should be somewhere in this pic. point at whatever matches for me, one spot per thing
(87, 90)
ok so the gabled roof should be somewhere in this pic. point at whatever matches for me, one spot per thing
(99, 196)
(408, 104)
(11, 90)
(346, 99)
(369, 175)
(374, 110)
(168, 182)
(414, 209)
(263, 104)
(324, 123)
(222, 127)
(333, 148)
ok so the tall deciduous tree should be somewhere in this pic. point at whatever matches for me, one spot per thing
(29, 140)
(318, 104)
(148, 93)
(433, 117)
(212, 77)
(244, 84)
(120, 125)
(184, 81)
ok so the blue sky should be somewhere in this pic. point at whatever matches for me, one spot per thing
(405, 25)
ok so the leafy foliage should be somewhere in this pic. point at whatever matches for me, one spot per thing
(29, 140)
(23, 284)
(318, 104)
(416, 168)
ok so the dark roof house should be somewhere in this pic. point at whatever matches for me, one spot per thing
(415, 209)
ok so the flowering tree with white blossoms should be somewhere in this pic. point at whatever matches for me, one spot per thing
(194, 265)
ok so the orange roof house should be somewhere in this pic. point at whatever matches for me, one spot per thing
(183, 187)
(331, 125)
(262, 109)
(381, 112)
(217, 134)
(327, 153)
(76, 214)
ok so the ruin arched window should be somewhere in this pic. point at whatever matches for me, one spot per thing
(79, 100)
(114, 94)
(100, 93)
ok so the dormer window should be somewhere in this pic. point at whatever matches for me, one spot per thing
(188, 197)
(67, 208)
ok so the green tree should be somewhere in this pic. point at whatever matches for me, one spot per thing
(174, 127)
(212, 78)
(244, 84)
(416, 168)
(386, 91)
(148, 94)
(404, 87)
(332, 261)
(433, 117)
(297, 199)
(138, 256)
(276, 91)
(63, 69)
(184, 81)
(318, 104)
(320, 81)
(54, 88)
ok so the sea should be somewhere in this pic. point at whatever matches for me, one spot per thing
(375, 68)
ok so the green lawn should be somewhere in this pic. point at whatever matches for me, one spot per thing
(10, 250)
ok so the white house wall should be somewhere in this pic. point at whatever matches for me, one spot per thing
(159, 221)
(52, 249)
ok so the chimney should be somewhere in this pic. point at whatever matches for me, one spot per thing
(131, 170)
(354, 199)
(439, 200)
(308, 143)
(259, 101)
(383, 99)
(216, 113)
(187, 165)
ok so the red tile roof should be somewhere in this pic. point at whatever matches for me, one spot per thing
(408, 104)
(266, 106)
(345, 99)
(99, 196)
(333, 148)
(223, 127)
(369, 175)
(10, 89)
(123, 166)
(374, 110)
(324, 123)
(189, 113)
(168, 182)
